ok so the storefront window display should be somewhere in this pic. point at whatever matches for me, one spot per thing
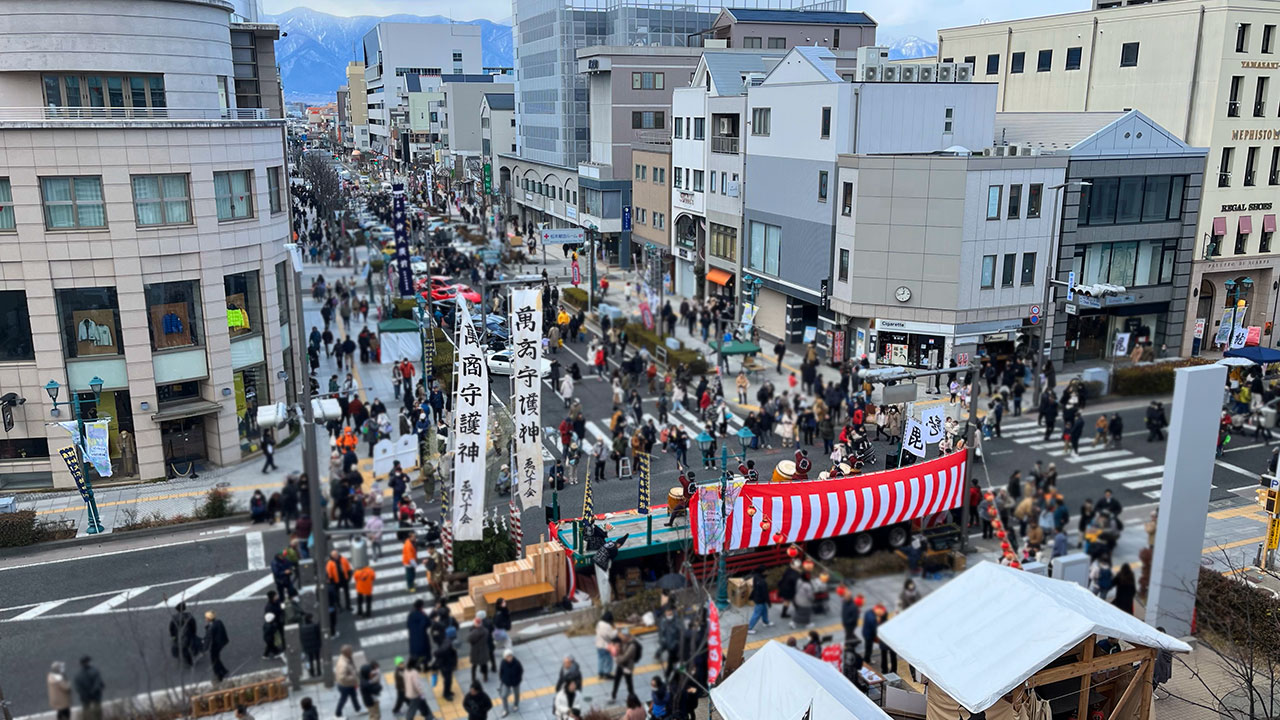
(173, 312)
(90, 322)
(909, 349)
(183, 442)
(244, 304)
(251, 390)
(123, 448)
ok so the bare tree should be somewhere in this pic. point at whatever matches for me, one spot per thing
(325, 184)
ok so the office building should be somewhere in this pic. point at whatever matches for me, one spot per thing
(497, 134)
(357, 109)
(143, 217)
(1206, 71)
(651, 212)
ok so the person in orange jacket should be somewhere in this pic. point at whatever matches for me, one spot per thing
(364, 578)
(347, 440)
(409, 557)
(338, 569)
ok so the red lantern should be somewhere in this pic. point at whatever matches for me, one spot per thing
(1001, 534)
(841, 590)
(764, 525)
(779, 538)
(793, 551)
(808, 565)
(1005, 546)
(1015, 565)
(997, 524)
(859, 600)
(751, 511)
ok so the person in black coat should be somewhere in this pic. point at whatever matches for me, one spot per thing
(787, 586)
(309, 638)
(419, 640)
(477, 703)
(760, 599)
(510, 675)
(184, 643)
(849, 617)
(447, 662)
(215, 639)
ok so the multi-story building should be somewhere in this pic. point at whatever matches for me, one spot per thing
(497, 134)
(142, 226)
(799, 117)
(651, 212)
(1206, 71)
(357, 109)
(552, 98)
(394, 50)
(344, 121)
(257, 77)
(781, 30)
(460, 133)
(1130, 207)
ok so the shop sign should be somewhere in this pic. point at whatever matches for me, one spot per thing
(837, 346)
(1071, 308)
(1248, 207)
(1085, 301)
(1121, 300)
(1199, 332)
(995, 337)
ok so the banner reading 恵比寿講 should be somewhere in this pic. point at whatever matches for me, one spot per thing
(470, 422)
(526, 381)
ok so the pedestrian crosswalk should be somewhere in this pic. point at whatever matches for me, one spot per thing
(598, 431)
(1125, 467)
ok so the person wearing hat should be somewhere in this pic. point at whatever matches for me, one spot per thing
(504, 480)
(60, 690)
(347, 679)
(510, 675)
(215, 639)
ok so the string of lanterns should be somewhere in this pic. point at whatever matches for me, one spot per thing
(1010, 558)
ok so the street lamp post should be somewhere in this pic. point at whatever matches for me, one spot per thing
(95, 384)
(1055, 236)
(745, 436)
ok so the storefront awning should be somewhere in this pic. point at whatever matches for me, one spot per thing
(718, 276)
(1269, 223)
(1219, 226)
(1246, 224)
(178, 411)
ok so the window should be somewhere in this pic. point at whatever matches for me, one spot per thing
(659, 175)
(713, 182)
(1233, 99)
(677, 177)
(1073, 58)
(144, 97)
(1129, 54)
(73, 202)
(971, 61)
(640, 216)
(1113, 201)
(988, 271)
(1006, 269)
(993, 202)
(647, 81)
(835, 38)
(90, 322)
(846, 199)
(699, 128)
(6, 204)
(948, 119)
(751, 42)
(842, 268)
(1260, 98)
(648, 120)
(993, 64)
(1242, 242)
(1264, 241)
(678, 130)
(777, 43)
(1268, 37)
(1224, 167)
(244, 306)
(161, 200)
(766, 241)
(23, 448)
(824, 127)
(173, 314)
(1034, 193)
(1016, 63)
(1272, 178)
(1028, 268)
(1132, 264)
(697, 180)
(760, 121)
(724, 242)
(1250, 159)
(1015, 201)
(234, 194)
(457, 57)
(275, 188)
(659, 220)
(1242, 37)
(822, 185)
(1044, 61)
(15, 327)
(640, 172)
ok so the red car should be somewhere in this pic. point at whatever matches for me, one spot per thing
(435, 281)
(448, 292)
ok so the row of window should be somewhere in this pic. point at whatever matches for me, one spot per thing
(139, 92)
(1008, 269)
(648, 81)
(1044, 59)
(648, 120)
(1127, 200)
(75, 202)
(995, 196)
(697, 128)
(1250, 179)
(1241, 246)
(555, 192)
(1244, 31)
(659, 174)
(775, 43)
(1260, 88)
(644, 217)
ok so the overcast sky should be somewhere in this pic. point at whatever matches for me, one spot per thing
(896, 17)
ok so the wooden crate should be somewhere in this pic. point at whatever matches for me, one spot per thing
(740, 592)
(219, 701)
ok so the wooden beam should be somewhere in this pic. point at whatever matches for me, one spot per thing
(1138, 676)
(1086, 655)
(1104, 662)
(1147, 689)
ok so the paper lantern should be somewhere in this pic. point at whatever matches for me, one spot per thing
(841, 590)
(793, 551)
(1001, 534)
(825, 578)
(751, 511)
(764, 525)
(1005, 546)
(997, 524)
(808, 564)
(779, 538)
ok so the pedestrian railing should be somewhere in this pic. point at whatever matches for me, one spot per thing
(220, 701)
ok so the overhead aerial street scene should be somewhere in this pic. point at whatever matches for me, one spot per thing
(638, 360)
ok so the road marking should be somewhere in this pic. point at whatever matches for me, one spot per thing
(1250, 509)
(192, 591)
(1139, 484)
(116, 600)
(1236, 544)
(1107, 455)
(397, 636)
(1236, 469)
(1135, 473)
(257, 556)
(377, 622)
(252, 589)
(40, 609)
(1116, 464)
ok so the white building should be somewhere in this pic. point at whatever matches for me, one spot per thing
(142, 223)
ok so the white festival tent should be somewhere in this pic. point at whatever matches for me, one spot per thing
(400, 338)
(781, 683)
(958, 636)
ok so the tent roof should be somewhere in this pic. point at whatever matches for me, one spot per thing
(782, 683)
(736, 347)
(948, 635)
(1256, 353)
(397, 325)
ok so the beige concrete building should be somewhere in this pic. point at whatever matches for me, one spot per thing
(142, 226)
(651, 204)
(1208, 72)
(357, 109)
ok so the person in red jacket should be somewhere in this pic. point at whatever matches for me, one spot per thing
(975, 497)
(566, 433)
(598, 362)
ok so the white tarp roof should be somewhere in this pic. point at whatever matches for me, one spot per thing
(781, 683)
(956, 635)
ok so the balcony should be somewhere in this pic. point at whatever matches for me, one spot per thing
(724, 144)
(1233, 108)
(97, 114)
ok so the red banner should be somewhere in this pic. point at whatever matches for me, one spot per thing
(815, 509)
(715, 654)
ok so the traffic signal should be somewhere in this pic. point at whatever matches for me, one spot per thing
(1267, 498)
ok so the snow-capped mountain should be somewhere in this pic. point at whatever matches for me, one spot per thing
(313, 56)
(911, 46)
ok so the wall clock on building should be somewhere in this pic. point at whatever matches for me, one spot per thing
(903, 293)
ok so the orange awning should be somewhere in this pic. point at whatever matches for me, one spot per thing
(718, 276)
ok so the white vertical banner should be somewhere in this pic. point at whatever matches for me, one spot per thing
(913, 438)
(526, 381)
(470, 426)
(933, 418)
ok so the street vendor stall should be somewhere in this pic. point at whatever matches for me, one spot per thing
(400, 338)
(1013, 644)
(782, 683)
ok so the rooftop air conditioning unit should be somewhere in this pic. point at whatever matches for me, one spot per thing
(927, 73)
(907, 73)
(889, 73)
(870, 73)
(946, 72)
(964, 73)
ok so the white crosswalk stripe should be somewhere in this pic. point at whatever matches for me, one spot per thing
(1116, 464)
(1136, 473)
(1138, 484)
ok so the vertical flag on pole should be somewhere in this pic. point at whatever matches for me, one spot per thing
(715, 652)
(642, 468)
(470, 423)
(526, 381)
(588, 505)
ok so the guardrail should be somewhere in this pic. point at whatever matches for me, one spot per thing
(125, 113)
(724, 144)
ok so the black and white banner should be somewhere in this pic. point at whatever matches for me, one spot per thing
(526, 380)
(470, 425)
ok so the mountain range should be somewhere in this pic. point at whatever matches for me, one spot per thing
(313, 56)
(911, 46)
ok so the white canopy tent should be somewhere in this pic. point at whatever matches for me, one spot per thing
(958, 635)
(781, 683)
